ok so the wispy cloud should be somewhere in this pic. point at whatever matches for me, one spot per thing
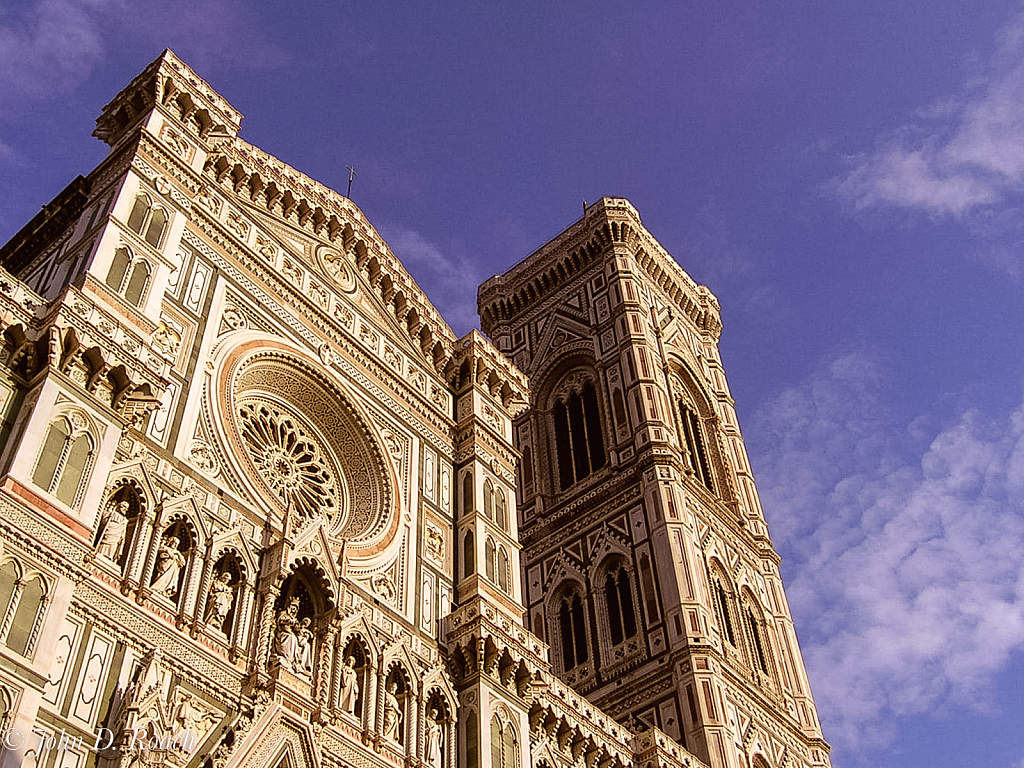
(449, 280)
(956, 156)
(50, 46)
(905, 556)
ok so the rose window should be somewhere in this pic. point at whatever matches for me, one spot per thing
(289, 458)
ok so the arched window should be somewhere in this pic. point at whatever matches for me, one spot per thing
(500, 510)
(472, 741)
(64, 461)
(619, 600)
(26, 616)
(489, 558)
(148, 220)
(8, 578)
(696, 449)
(128, 279)
(572, 631)
(488, 499)
(723, 605)
(504, 744)
(22, 600)
(502, 568)
(754, 628)
(578, 439)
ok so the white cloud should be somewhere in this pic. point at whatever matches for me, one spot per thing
(905, 558)
(50, 46)
(449, 281)
(959, 155)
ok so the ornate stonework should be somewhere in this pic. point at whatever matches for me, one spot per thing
(268, 500)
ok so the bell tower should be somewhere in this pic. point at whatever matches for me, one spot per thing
(647, 564)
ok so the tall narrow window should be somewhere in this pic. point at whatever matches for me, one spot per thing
(127, 279)
(8, 578)
(619, 600)
(500, 510)
(19, 636)
(137, 283)
(488, 499)
(64, 462)
(118, 268)
(626, 604)
(572, 631)
(467, 493)
(472, 742)
(756, 641)
(148, 220)
(489, 555)
(697, 456)
(468, 555)
(502, 567)
(723, 610)
(611, 596)
(578, 439)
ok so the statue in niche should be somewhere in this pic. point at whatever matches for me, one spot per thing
(286, 645)
(434, 747)
(349, 686)
(114, 526)
(220, 600)
(392, 712)
(169, 562)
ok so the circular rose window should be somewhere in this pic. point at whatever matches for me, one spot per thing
(300, 445)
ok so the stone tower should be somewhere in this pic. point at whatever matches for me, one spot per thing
(647, 564)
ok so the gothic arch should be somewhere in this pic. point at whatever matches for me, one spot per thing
(569, 393)
(757, 636)
(617, 592)
(696, 422)
(723, 597)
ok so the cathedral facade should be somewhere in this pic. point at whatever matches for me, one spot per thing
(261, 507)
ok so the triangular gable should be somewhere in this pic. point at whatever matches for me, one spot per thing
(280, 736)
(438, 677)
(356, 624)
(137, 471)
(185, 506)
(559, 333)
(399, 651)
(233, 539)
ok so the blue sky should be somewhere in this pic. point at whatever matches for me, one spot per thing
(848, 177)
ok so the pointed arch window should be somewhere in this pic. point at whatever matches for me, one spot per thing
(572, 631)
(757, 644)
(579, 443)
(696, 448)
(497, 564)
(64, 462)
(504, 744)
(22, 603)
(148, 220)
(619, 601)
(722, 603)
(128, 278)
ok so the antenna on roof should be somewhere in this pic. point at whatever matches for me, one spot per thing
(584, 207)
(351, 175)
